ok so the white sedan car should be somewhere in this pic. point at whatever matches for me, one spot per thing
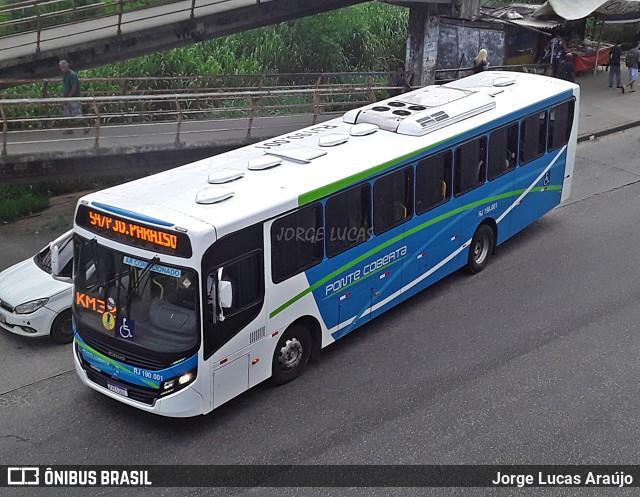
(32, 303)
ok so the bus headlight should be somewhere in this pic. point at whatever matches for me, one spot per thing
(185, 378)
(29, 307)
(178, 383)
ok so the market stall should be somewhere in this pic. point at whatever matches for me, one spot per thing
(588, 58)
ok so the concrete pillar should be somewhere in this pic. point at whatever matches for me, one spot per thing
(424, 32)
(422, 46)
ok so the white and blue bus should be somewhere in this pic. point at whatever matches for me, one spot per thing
(195, 284)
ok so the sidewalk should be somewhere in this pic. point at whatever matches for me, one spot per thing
(605, 110)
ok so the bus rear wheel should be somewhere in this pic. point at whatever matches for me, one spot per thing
(62, 329)
(291, 355)
(481, 248)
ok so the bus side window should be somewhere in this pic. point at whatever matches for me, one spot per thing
(246, 278)
(503, 147)
(392, 200)
(348, 219)
(533, 137)
(470, 165)
(560, 124)
(297, 242)
(433, 181)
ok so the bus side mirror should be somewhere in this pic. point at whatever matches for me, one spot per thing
(225, 294)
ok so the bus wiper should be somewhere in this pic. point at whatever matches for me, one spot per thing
(145, 271)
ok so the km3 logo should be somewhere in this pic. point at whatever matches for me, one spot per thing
(23, 476)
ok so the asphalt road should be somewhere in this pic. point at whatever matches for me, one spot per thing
(533, 361)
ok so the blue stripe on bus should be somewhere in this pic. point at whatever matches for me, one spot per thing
(132, 215)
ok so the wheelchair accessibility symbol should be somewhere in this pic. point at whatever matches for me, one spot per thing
(126, 328)
(547, 178)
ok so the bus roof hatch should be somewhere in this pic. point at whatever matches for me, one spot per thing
(423, 111)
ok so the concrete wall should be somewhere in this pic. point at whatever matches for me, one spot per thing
(460, 41)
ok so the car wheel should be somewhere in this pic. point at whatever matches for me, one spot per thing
(291, 355)
(61, 329)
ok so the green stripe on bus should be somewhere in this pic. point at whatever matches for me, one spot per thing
(395, 239)
(323, 191)
(113, 363)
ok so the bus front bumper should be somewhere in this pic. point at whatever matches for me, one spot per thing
(184, 403)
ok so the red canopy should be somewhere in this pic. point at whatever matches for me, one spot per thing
(588, 61)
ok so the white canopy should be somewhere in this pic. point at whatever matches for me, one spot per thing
(608, 10)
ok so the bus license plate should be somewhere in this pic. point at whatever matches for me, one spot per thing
(117, 389)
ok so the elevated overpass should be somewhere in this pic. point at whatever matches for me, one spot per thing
(45, 31)
(113, 33)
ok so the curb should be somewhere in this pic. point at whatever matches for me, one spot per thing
(613, 129)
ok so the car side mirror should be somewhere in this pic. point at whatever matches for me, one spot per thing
(57, 265)
(61, 254)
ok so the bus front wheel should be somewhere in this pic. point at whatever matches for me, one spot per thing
(480, 249)
(291, 355)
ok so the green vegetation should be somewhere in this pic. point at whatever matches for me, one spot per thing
(367, 37)
(20, 201)
(17, 201)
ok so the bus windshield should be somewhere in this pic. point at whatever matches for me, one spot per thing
(146, 303)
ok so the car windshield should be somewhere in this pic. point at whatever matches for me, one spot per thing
(147, 303)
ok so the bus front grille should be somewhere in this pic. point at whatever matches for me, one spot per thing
(146, 396)
(125, 356)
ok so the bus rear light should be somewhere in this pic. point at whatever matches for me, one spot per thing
(224, 360)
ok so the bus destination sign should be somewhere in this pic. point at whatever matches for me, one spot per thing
(134, 233)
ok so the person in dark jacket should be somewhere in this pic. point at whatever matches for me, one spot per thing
(614, 65)
(567, 69)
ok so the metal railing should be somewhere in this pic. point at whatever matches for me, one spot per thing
(39, 15)
(30, 121)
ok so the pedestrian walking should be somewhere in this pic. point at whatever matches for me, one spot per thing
(71, 88)
(614, 66)
(631, 61)
(557, 48)
(480, 63)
